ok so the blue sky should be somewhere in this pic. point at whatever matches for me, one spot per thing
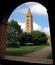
(39, 13)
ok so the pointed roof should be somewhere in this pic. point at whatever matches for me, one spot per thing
(29, 12)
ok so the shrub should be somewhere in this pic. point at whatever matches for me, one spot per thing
(50, 56)
(14, 44)
(39, 38)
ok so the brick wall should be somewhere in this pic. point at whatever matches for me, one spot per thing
(3, 29)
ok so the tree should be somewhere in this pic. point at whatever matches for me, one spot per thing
(23, 39)
(39, 37)
(36, 37)
(13, 32)
(14, 24)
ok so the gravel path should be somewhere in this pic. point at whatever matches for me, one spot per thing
(43, 53)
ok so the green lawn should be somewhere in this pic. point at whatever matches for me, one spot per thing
(23, 50)
(50, 56)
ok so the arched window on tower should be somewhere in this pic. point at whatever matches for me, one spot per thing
(27, 16)
(27, 19)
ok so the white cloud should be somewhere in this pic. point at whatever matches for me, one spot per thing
(36, 27)
(24, 11)
(35, 8)
(47, 30)
(38, 9)
(22, 25)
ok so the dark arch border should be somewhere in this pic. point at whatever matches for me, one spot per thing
(8, 6)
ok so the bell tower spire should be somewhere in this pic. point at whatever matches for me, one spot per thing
(29, 22)
(29, 12)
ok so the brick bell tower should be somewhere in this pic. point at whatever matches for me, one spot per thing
(29, 22)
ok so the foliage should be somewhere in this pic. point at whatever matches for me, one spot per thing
(25, 38)
(22, 39)
(36, 37)
(39, 37)
(50, 56)
(13, 44)
(15, 25)
(13, 32)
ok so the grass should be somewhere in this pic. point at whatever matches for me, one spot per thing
(50, 56)
(23, 50)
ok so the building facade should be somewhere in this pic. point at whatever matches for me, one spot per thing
(29, 22)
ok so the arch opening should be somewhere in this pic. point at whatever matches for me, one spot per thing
(34, 12)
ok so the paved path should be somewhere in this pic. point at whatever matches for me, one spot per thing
(43, 53)
(30, 59)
